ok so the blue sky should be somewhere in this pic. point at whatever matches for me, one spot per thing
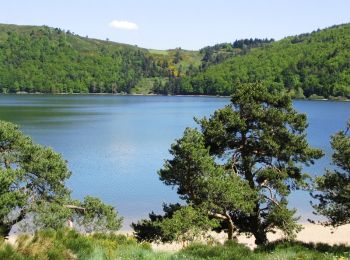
(190, 24)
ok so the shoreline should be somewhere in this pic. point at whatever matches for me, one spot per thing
(153, 94)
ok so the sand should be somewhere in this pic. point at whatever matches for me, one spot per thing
(310, 233)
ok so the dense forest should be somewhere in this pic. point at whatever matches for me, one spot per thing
(308, 65)
(220, 52)
(50, 60)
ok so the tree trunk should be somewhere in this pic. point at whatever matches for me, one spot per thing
(231, 228)
(226, 217)
(257, 227)
(260, 237)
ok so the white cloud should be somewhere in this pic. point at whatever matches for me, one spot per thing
(124, 25)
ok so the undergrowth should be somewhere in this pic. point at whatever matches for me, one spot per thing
(68, 244)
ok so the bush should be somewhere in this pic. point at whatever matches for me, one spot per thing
(8, 252)
(61, 244)
(230, 250)
(68, 244)
(300, 250)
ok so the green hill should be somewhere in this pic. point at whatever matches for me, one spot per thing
(50, 60)
(313, 64)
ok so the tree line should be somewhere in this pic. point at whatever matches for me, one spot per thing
(218, 53)
(314, 65)
(48, 60)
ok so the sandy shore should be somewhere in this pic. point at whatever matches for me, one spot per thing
(310, 233)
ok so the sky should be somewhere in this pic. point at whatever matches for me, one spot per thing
(189, 24)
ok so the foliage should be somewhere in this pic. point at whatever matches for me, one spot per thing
(220, 52)
(315, 63)
(98, 216)
(245, 162)
(276, 250)
(68, 244)
(231, 250)
(187, 224)
(334, 186)
(32, 181)
(300, 250)
(51, 60)
(200, 181)
(30, 175)
(149, 230)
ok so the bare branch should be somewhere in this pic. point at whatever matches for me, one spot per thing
(272, 198)
(218, 215)
(75, 207)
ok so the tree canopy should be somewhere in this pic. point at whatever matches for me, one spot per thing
(187, 224)
(201, 182)
(334, 186)
(244, 162)
(32, 182)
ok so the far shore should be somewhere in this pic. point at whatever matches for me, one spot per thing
(152, 94)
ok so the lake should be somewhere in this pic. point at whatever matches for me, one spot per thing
(114, 145)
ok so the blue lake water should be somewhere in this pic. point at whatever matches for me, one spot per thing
(114, 145)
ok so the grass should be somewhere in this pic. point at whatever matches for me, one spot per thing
(280, 250)
(158, 52)
(231, 250)
(68, 244)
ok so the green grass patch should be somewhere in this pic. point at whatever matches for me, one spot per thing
(230, 250)
(68, 244)
(158, 52)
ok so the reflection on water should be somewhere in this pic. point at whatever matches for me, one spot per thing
(115, 144)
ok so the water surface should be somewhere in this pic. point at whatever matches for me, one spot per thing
(115, 144)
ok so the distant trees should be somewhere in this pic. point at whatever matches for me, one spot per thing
(53, 61)
(47, 60)
(218, 53)
(32, 188)
(333, 188)
(177, 56)
(251, 43)
(315, 63)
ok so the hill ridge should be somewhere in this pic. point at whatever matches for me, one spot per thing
(50, 60)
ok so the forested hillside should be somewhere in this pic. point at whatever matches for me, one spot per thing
(311, 64)
(51, 60)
